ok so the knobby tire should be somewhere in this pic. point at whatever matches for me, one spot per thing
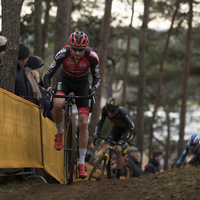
(70, 151)
(128, 170)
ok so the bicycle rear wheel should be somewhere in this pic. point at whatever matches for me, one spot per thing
(70, 149)
(100, 169)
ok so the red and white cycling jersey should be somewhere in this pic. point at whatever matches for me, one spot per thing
(73, 68)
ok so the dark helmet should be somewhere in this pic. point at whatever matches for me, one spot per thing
(112, 104)
(79, 39)
(194, 139)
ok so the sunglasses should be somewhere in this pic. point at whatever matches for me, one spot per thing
(111, 111)
(78, 49)
(193, 145)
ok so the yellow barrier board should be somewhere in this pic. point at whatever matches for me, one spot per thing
(20, 137)
(53, 159)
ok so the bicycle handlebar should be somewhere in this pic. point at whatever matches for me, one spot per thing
(111, 141)
(52, 95)
(72, 96)
(107, 140)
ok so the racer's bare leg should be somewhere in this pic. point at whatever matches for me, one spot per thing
(83, 134)
(57, 110)
(83, 141)
(105, 147)
(120, 158)
(58, 116)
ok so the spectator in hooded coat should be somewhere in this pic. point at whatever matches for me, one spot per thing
(154, 163)
(34, 66)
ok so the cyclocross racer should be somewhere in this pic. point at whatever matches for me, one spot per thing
(122, 130)
(76, 59)
(194, 145)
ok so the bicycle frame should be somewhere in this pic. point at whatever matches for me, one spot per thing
(105, 161)
(108, 153)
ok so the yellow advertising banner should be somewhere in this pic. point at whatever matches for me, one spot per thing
(23, 138)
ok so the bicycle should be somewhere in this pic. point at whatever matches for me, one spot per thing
(102, 167)
(70, 147)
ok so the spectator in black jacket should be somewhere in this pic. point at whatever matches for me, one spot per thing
(133, 157)
(154, 163)
(22, 85)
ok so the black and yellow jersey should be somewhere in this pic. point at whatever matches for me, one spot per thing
(122, 119)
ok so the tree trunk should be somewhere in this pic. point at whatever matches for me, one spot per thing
(63, 23)
(156, 105)
(38, 28)
(167, 150)
(110, 81)
(142, 77)
(11, 10)
(185, 81)
(45, 28)
(105, 33)
(111, 75)
(125, 81)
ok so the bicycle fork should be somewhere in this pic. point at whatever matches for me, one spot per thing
(108, 163)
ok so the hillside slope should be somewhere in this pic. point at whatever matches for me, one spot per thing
(181, 184)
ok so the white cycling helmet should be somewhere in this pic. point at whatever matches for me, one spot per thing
(194, 139)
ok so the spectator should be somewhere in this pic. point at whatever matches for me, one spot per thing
(154, 163)
(99, 152)
(25, 85)
(40, 71)
(133, 157)
(90, 151)
(33, 66)
(22, 85)
(3, 42)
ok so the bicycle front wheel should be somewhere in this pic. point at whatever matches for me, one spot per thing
(127, 171)
(101, 169)
(70, 150)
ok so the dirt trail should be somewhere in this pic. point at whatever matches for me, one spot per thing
(181, 184)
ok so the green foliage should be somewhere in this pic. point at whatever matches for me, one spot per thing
(92, 27)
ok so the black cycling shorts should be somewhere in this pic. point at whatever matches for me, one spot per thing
(118, 134)
(79, 86)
